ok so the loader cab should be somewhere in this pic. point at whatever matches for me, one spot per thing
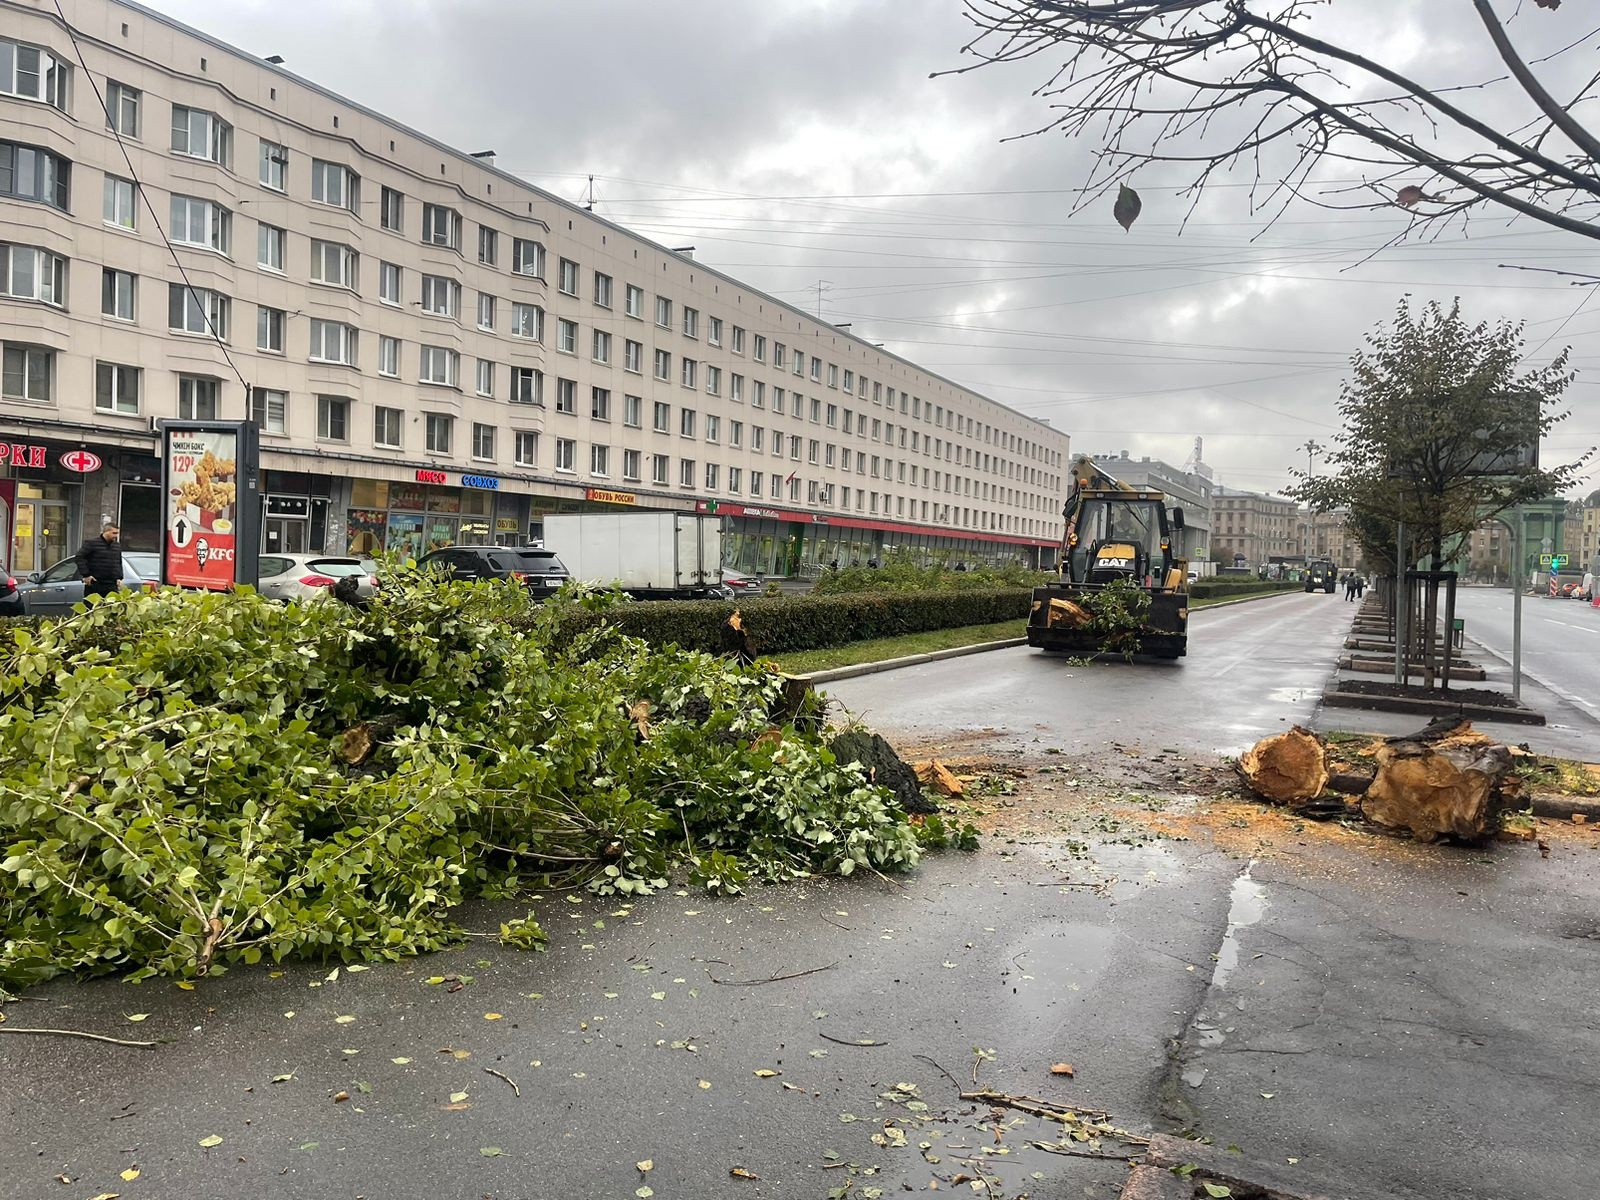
(1120, 535)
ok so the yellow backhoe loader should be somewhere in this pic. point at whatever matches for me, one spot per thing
(1117, 547)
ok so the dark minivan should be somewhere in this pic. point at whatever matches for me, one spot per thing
(537, 569)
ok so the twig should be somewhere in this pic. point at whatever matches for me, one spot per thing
(1037, 1108)
(841, 1042)
(1049, 1148)
(770, 978)
(954, 1082)
(836, 924)
(97, 1037)
(507, 1078)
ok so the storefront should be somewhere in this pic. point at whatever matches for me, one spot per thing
(435, 510)
(296, 511)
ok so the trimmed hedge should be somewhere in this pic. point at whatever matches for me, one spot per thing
(1219, 586)
(784, 624)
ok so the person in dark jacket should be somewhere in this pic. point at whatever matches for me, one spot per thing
(100, 562)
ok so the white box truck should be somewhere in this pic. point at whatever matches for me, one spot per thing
(649, 555)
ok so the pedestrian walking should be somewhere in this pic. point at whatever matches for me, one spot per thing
(1361, 585)
(100, 562)
(1350, 588)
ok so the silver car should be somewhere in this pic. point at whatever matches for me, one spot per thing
(308, 576)
(52, 593)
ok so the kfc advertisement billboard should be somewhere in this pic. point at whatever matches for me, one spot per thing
(212, 502)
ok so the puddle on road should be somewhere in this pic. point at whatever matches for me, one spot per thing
(1249, 904)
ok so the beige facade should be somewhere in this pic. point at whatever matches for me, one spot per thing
(383, 306)
(1253, 527)
(1325, 535)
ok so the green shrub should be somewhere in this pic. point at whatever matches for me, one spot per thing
(900, 573)
(785, 624)
(1219, 586)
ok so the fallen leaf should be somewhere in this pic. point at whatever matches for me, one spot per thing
(364, 1087)
(130, 1174)
(212, 1140)
(1063, 1069)
(185, 985)
(457, 1097)
(400, 1062)
(644, 1193)
(104, 1195)
(340, 1097)
(344, 1020)
(289, 1015)
(332, 975)
(283, 1078)
(491, 1016)
(1268, 1095)
(1218, 1191)
(765, 1073)
(741, 1173)
(355, 967)
(490, 1151)
(658, 995)
(646, 1164)
(704, 1085)
(136, 1017)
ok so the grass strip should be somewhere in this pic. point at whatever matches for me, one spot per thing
(806, 662)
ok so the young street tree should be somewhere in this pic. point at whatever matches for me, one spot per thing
(1434, 413)
(1220, 84)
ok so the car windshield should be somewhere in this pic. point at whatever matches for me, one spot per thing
(335, 568)
(537, 562)
(146, 566)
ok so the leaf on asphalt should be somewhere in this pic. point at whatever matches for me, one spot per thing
(1218, 1191)
(289, 1016)
(457, 1097)
(1186, 1170)
(847, 1118)
(704, 1085)
(104, 1195)
(820, 1013)
(491, 1016)
(766, 1073)
(400, 1062)
(343, 1020)
(1063, 1068)
(658, 995)
(1268, 1095)
(646, 1164)
(185, 985)
(130, 1174)
(283, 1078)
(433, 980)
(340, 1097)
(308, 1146)
(792, 1087)
(332, 975)
(136, 1017)
(364, 1087)
(490, 1151)
(644, 1193)
(210, 1141)
(817, 1053)
(355, 967)
(741, 1173)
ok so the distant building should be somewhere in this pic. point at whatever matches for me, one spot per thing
(1188, 489)
(1250, 529)
(1589, 535)
(1325, 535)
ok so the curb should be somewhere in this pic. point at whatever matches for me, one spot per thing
(910, 660)
(1564, 808)
(1431, 708)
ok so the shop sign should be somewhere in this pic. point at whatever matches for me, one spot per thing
(487, 483)
(81, 461)
(507, 525)
(210, 483)
(603, 496)
(19, 455)
(427, 476)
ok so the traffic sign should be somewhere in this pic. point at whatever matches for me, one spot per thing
(1554, 561)
(81, 461)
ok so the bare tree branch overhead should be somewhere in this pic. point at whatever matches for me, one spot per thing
(1249, 85)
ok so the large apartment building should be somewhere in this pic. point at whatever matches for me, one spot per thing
(434, 350)
(1249, 529)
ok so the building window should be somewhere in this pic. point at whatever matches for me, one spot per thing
(392, 209)
(197, 310)
(566, 455)
(663, 312)
(658, 469)
(335, 264)
(387, 426)
(117, 289)
(663, 366)
(122, 106)
(602, 290)
(737, 344)
(712, 474)
(566, 336)
(688, 372)
(758, 394)
(200, 134)
(600, 404)
(733, 480)
(526, 450)
(816, 366)
(758, 434)
(633, 357)
(527, 258)
(485, 312)
(569, 277)
(201, 223)
(714, 331)
(632, 411)
(438, 431)
(661, 417)
(602, 346)
(527, 321)
(388, 356)
(488, 246)
(333, 416)
(600, 461)
(686, 477)
(777, 354)
(116, 389)
(441, 226)
(439, 365)
(197, 397)
(794, 448)
(713, 380)
(335, 184)
(269, 409)
(269, 329)
(273, 163)
(686, 423)
(833, 418)
(833, 373)
(630, 465)
(389, 287)
(691, 322)
(29, 173)
(27, 373)
(760, 354)
(736, 388)
(272, 246)
(29, 273)
(483, 442)
(333, 342)
(735, 434)
(635, 302)
(485, 377)
(755, 483)
(119, 206)
(713, 427)
(441, 296)
(567, 396)
(527, 386)
(816, 409)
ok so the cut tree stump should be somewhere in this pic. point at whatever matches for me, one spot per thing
(1288, 768)
(885, 767)
(1445, 779)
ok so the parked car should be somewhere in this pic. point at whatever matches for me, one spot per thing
(308, 576)
(736, 584)
(10, 597)
(538, 569)
(52, 593)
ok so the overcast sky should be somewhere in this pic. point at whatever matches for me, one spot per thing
(794, 142)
